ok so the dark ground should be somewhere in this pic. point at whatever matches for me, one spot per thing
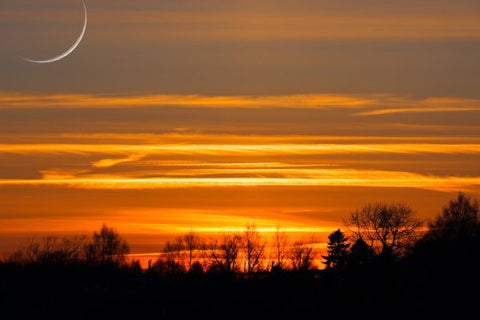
(82, 292)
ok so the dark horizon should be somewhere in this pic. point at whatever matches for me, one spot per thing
(389, 260)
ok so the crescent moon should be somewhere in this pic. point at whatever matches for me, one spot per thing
(72, 48)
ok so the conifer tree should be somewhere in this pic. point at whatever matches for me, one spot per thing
(360, 254)
(337, 250)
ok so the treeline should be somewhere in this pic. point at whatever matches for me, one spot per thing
(246, 252)
(385, 262)
(378, 233)
(105, 247)
(378, 230)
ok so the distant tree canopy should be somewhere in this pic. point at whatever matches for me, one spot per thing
(378, 230)
(389, 229)
(301, 256)
(245, 271)
(51, 250)
(106, 247)
(458, 220)
(247, 252)
(453, 236)
(170, 260)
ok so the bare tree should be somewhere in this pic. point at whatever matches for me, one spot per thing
(254, 248)
(280, 244)
(17, 257)
(170, 260)
(171, 256)
(387, 228)
(50, 250)
(105, 247)
(179, 247)
(192, 243)
(231, 247)
(458, 220)
(224, 253)
(301, 256)
(70, 248)
(214, 254)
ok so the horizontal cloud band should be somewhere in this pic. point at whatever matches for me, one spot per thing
(364, 105)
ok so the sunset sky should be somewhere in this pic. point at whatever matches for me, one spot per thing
(206, 115)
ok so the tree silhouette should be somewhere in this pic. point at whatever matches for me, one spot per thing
(447, 258)
(191, 242)
(389, 228)
(361, 254)
(337, 250)
(280, 252)
(169, 262)
(224, 253)
(106, 247)
(51, 250)
(458, 220)
(254, 248)
(301, 256)
(454, 235)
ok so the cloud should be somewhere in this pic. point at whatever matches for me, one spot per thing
(413, 110)
(138, 151)
(19, 100)
(427, 105)
(106, 163)
(362, 105)
(326, 177)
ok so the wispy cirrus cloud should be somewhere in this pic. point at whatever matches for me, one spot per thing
(426, 105)
(415, 110)
(21, 100)
(326, 177)
(105, 163)
(138, 151)
(361, 105)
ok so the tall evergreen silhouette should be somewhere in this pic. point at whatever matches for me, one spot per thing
(337, 250)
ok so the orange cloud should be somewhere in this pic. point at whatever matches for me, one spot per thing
(105, 163)
(415, 110)
(308, 177)
(364, 105)
(138, 151)
(19, 100)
